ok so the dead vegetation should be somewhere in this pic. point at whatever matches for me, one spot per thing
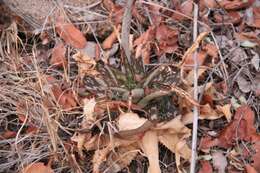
(92, 87)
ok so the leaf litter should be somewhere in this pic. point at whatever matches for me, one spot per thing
(72, 101)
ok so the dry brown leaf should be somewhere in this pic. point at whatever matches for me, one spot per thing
(66, 99)
(167, 38)
(86, 64)
(253, 17)
(129, 121)
(8, 134)
(58, 58)
(256, 155)
(250, 169)
(89, 113)
(235, 4)
(146, 37)
(175, 126)
(108, 4)
(209, 3)
(243, 84)
(150, 147)
(155, 14)
(211, 50)
(37, 167)
(219, 161)
(226, 111)
(233, 17)
(175, 144)
(189, 62)
(194, 46)
(100, 155)
(187, 7)
(242, 127)
(91, 50)
(189, 78)
(205, 167)
(69, 33)
(206, 112)
(111, 39)
(122, 158)
(248, 36)
(80, 139)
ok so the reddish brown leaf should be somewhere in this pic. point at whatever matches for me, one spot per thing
(69, 33)
(58, 58)
(37, 167)
(256, 155)
(117, 14)
(231, 17)
(156, 15)
(66, 98)
(242, 127)
(138, 16)
(111, 39)
(167, 38)
(205, 167)
(235, 4)
(7, 134)
(108, 4)
(207, 142)
(209, 3)
(189, 60)
(250, 169)
(146, 37)
(187, 7)
(254, 20)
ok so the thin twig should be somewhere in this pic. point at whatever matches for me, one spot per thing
(196, 109)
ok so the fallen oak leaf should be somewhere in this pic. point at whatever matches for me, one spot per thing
(69, 33)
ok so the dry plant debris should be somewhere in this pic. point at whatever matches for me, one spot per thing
(99, 88)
